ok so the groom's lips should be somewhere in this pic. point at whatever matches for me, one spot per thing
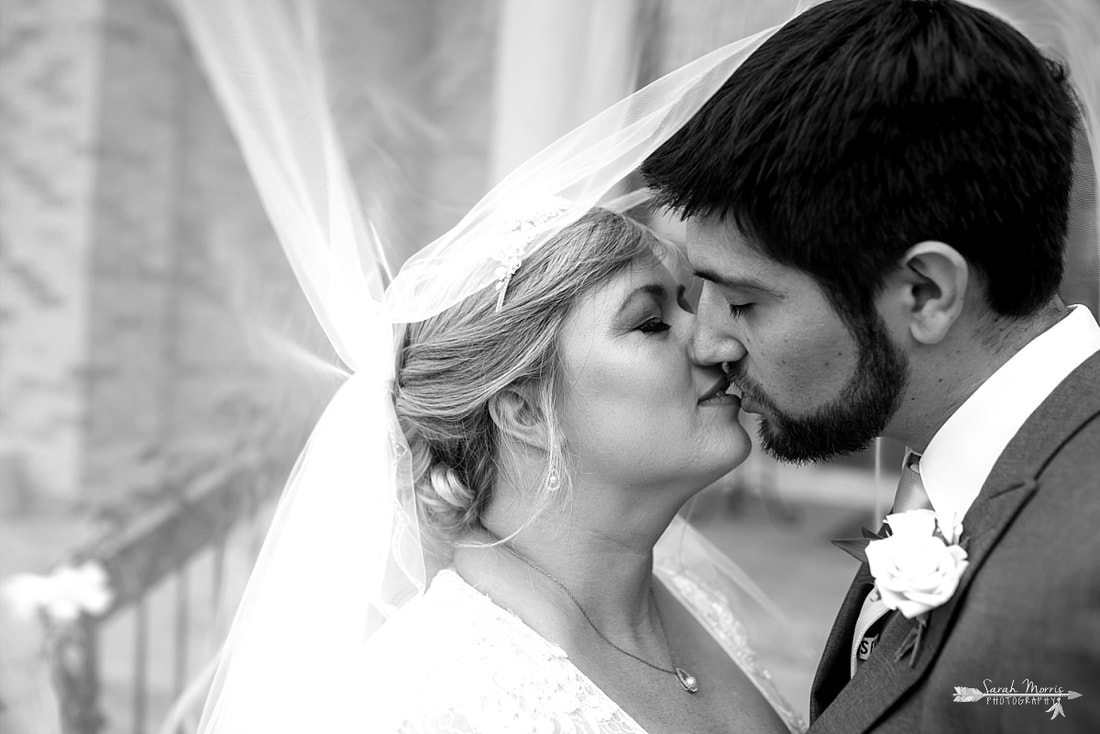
(748, 403)
(719, 389)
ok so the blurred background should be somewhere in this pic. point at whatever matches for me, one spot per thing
(160, 370)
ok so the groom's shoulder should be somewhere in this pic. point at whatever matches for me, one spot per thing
(1068, 421)
(1028, 610)
(1068, 486)
(1085, 380)
(1069, 424)
(1061, 441)
(1062, 515)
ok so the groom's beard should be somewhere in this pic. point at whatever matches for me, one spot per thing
(847, 424)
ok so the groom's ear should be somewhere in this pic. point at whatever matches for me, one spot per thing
(517, 415)
(934, 279)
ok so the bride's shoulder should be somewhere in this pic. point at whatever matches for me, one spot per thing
(450, 629)
(451, 624)
(453, 661)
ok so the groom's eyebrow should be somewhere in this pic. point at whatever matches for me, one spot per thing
(740, 284)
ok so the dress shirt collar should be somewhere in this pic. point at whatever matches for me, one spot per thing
(963, 451)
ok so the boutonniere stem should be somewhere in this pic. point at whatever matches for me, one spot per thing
(911, 644)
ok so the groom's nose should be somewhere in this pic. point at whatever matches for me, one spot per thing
(714, 341)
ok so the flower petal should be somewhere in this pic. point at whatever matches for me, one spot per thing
(912, 523)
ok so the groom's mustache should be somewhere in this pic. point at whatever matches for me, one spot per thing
(735, 371)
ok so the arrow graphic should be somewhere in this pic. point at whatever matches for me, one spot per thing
(969, 695)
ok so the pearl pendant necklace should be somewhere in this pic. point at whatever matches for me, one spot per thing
(687, 681)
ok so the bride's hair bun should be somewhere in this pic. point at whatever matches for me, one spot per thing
(452, 500)
(449, 486)
(451, 366)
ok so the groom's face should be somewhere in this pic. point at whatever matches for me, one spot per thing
(820, 386)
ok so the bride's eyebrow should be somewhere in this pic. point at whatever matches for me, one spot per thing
(657, 290)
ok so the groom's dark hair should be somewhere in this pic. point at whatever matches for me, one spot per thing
(863, 127)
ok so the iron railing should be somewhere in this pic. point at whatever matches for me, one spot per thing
(214, 520)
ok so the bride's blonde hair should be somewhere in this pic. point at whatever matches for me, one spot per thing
(451, 366)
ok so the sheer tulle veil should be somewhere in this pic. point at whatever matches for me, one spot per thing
(344, 550)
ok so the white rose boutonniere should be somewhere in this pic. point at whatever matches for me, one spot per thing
(915, 568)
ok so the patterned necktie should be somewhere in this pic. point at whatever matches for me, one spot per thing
(910, 495)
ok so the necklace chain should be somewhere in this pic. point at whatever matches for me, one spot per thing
(687, 682)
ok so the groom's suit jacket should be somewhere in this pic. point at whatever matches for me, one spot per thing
(1026, 609)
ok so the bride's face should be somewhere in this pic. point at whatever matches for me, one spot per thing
(637, 411)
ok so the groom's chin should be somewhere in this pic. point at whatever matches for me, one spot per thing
(783, 450)
(805, 442)
(776, 442)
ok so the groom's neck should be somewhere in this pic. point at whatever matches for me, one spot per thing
(944, 376)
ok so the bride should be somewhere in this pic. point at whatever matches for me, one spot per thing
(482, 534)
(553, 441)
(555, 425)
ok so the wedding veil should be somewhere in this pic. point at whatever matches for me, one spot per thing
(344, 548)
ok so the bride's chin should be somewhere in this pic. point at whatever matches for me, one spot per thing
(735, 449)
(721, 467)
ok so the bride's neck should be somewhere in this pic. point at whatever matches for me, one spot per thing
(603, 556)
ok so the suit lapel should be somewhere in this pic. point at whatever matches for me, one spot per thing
(834, 670)
(882, 680)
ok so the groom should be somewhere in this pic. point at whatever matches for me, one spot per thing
(877, 203)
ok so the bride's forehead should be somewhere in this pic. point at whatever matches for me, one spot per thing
(606, 301)
(647, 267)
(644, 270)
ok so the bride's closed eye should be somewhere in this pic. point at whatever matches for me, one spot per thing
(739, 309)
(654, 326)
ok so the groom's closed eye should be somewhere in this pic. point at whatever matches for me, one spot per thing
(741, 294)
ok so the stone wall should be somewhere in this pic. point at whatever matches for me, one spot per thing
(150, 328)
(49, 98)
(129, 233)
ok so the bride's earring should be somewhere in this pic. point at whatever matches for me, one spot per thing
(553, 480)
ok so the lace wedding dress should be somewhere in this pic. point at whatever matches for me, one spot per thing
(453, 661)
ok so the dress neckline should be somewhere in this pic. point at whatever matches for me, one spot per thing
(689, 597)
(453, 579)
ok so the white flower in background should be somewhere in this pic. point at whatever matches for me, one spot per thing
(62, 596)
(915, 569)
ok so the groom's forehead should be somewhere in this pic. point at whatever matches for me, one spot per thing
(717, 247)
